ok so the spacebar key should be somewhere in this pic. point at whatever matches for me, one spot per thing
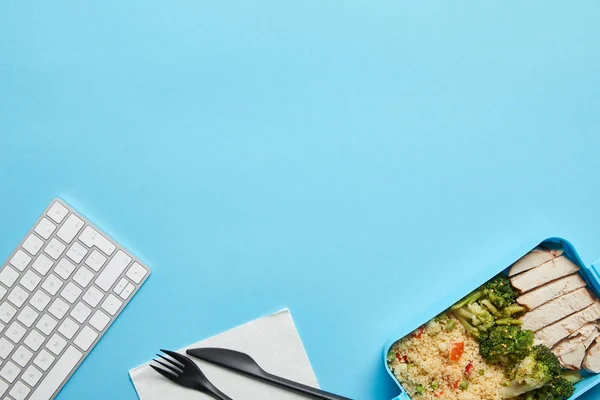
(57, 375)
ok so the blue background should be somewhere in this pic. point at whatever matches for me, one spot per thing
(353, 161)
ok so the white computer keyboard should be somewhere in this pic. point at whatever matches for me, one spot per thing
(59, 292)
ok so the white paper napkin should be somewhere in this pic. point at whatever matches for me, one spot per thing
(272, 341)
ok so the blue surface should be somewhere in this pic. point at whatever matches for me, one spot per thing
(353, 161)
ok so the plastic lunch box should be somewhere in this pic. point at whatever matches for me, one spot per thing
(591, 274)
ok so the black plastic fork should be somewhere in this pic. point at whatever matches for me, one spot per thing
(183, 371)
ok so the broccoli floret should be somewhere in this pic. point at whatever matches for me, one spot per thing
(488, 304)
(558, 389)
(546, 357)
(506, 345)
(539, 369)
(481, 317)
(509, 321)
(492, 304)
(539, 394)
(465, 322)
(471, 298)
(514, 310)
(499, 292)
(561, 388)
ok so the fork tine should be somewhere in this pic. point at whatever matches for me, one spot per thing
(171, 361)
(182, 359)
(168, 366)
(164, 373)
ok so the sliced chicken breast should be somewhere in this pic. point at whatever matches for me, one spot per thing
(557, 309)
(534, 258)
(547, 272)
(571, 352)
(592, 359)
(550, 291)
(560, 330)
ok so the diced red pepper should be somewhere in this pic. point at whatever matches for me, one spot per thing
(439, 394)
(402, 359)
(457, 351)
(419, 332)
(469, 368)
(455, 384)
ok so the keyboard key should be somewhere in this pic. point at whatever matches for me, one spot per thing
(57, 212)
(58, 308)
(70, 228)
(85, 338)
(113, 270)
(32, 375)
(80, 312)
(46, 324)
(52, 284)
(27, 316)
(33, 244)
(99, 320)
(45, 228)
(44, 360)
(15, 332)
(83, 276)
(22, 356)
(34, 340)
(70, 292)
(54, 379)
(39, 300)
(127, 291)
(76, 252)
(2, 292)
(111, 304)
(69, 328)
(8, 276)
(90, 237)
(7, 312)
(18, 296)
(5, 347)
(3, 387)
(136, 273)
(42, 264)
(93, 296)
(95, 261)
(30, 280)
(54, 248)
(20, 260)
(10, 372)
(56, 344)
(120, 286)
(19, 391)
(64, 269)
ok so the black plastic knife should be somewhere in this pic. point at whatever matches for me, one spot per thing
(246, 365)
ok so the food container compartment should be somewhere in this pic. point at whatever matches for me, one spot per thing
(591, 274)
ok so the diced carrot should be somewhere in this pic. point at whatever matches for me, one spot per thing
(457, 351)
